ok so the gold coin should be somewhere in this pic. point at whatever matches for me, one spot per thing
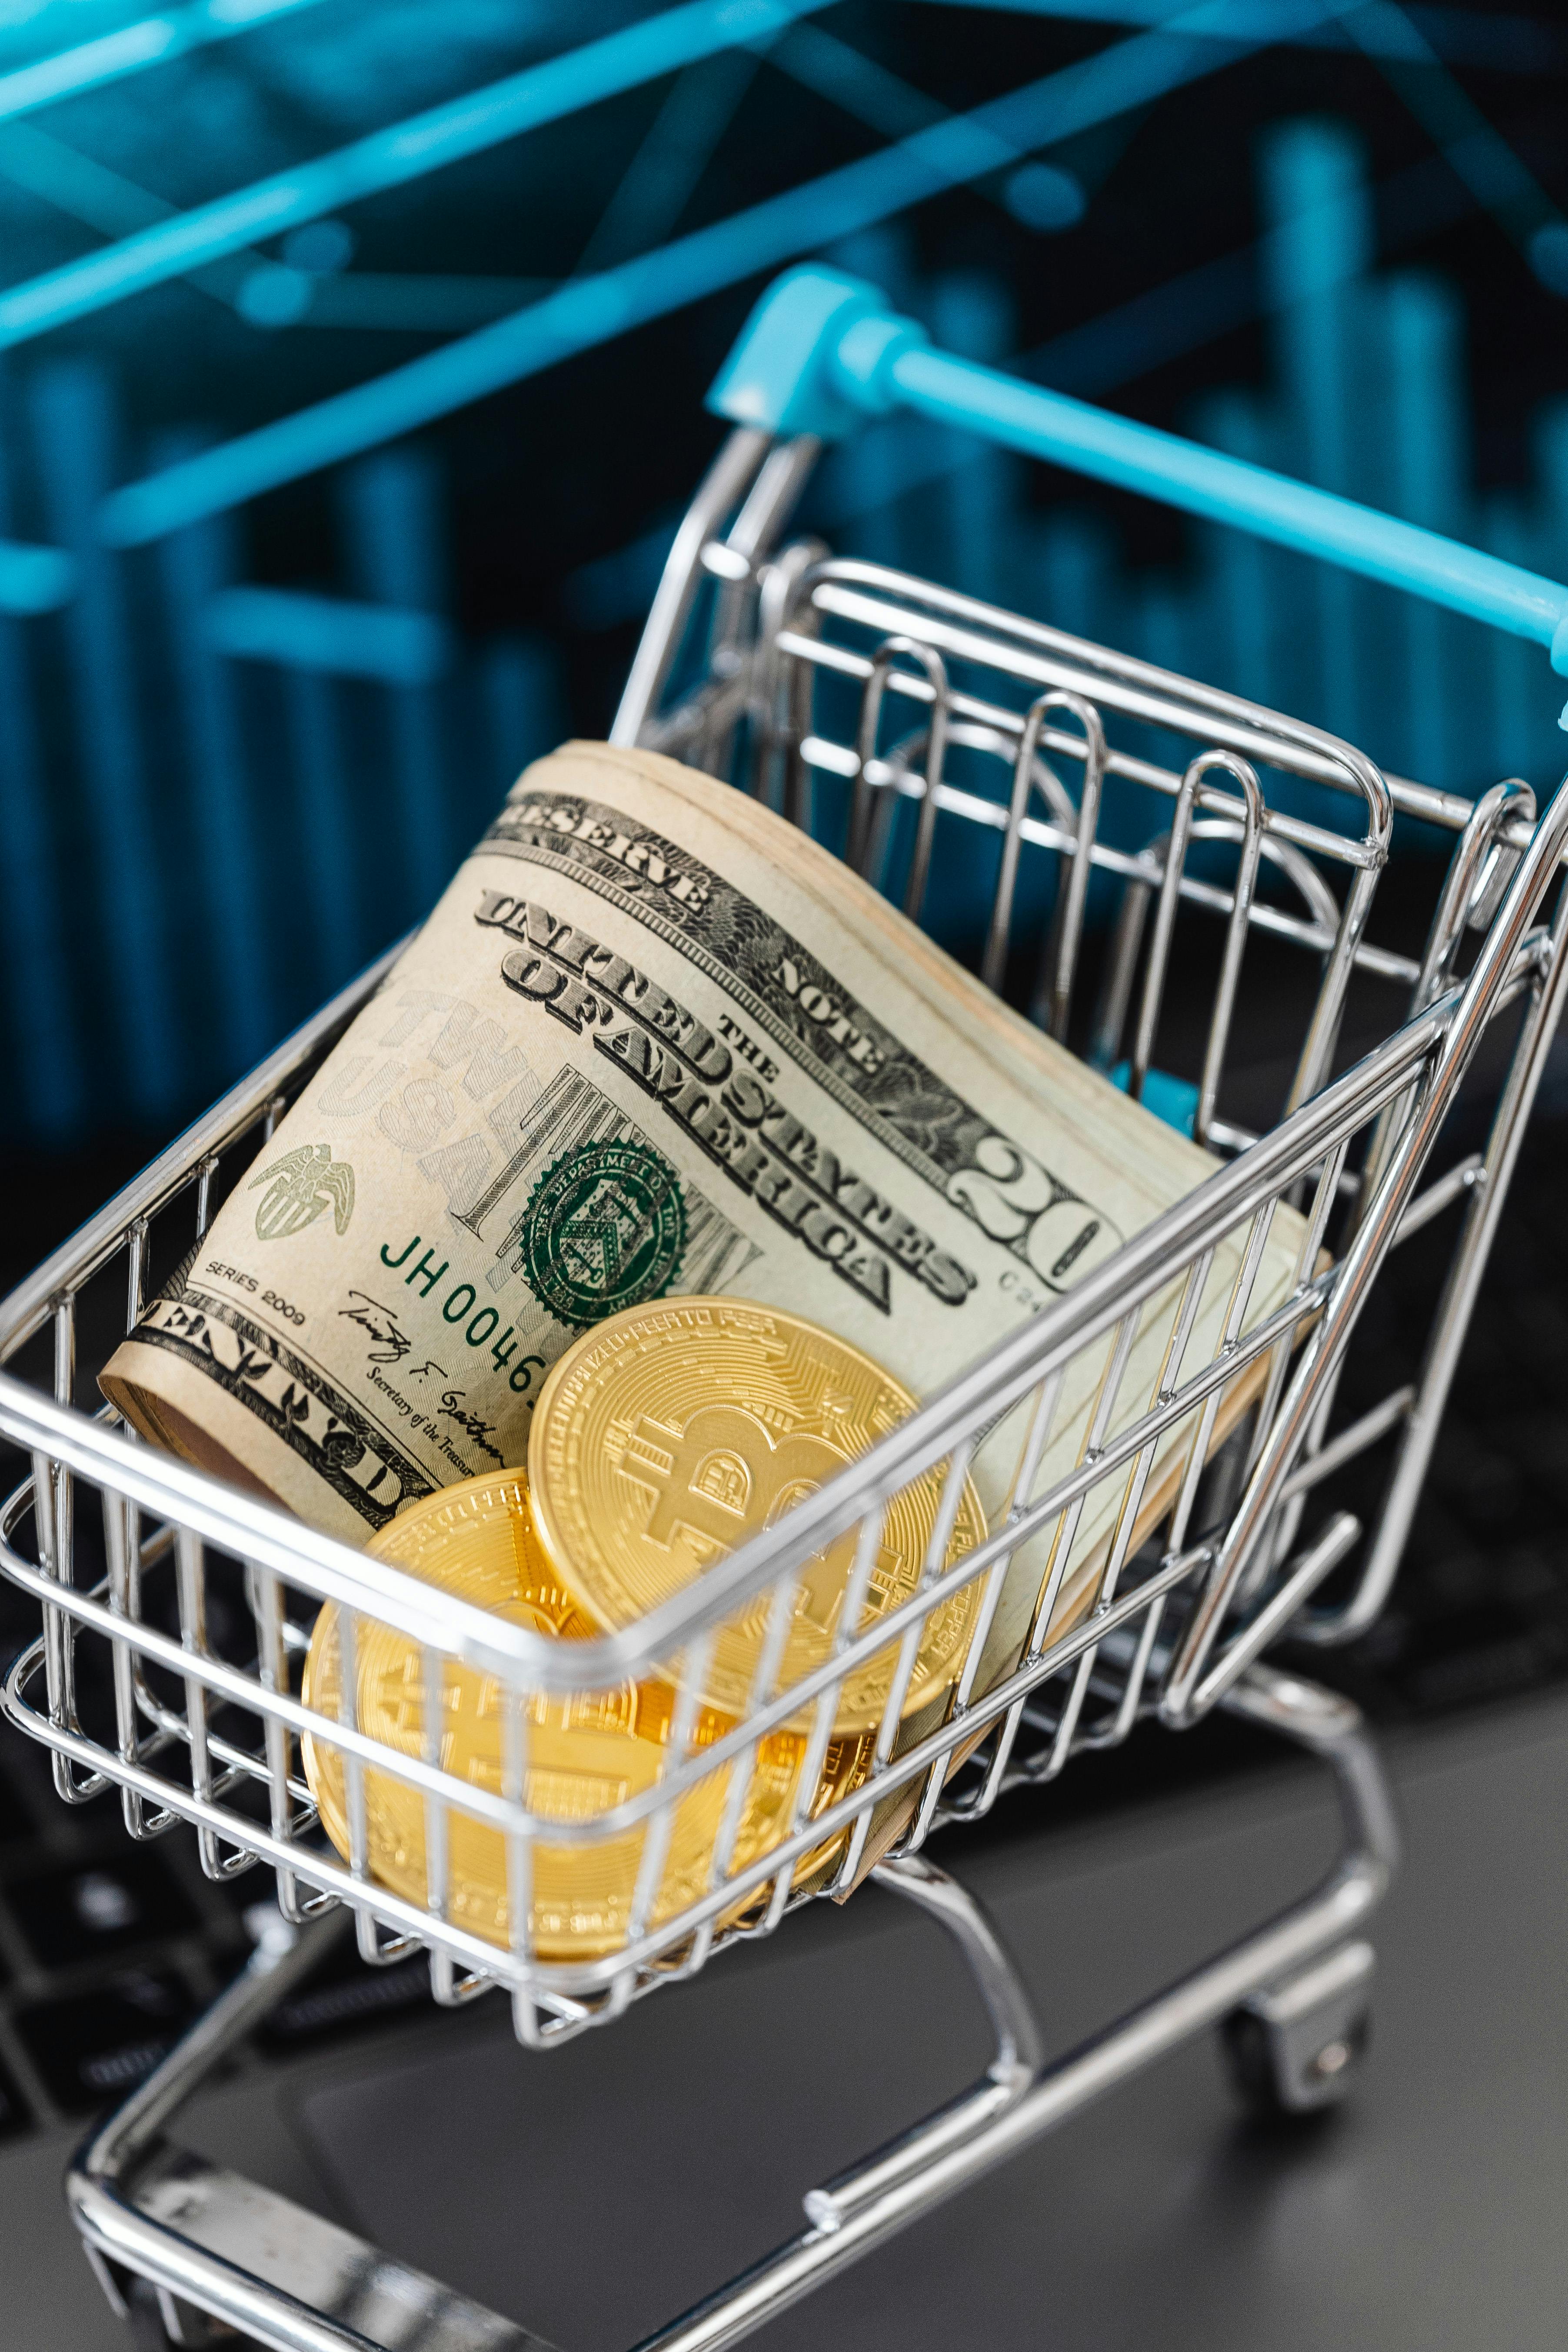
(587, 1751)
(672, 1432)
(478, 1539)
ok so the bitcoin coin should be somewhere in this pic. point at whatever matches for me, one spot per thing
(587, 1751)
(672, 1432)
(478, 1539)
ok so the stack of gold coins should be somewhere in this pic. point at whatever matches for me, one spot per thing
(662, 1439)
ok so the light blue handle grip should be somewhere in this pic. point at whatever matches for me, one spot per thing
(822, 351)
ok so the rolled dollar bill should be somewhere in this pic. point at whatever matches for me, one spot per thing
(653, 1041)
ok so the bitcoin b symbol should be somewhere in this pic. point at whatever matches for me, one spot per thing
(725, 1475)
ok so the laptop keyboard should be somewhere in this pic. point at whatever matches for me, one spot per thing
(108, 1950)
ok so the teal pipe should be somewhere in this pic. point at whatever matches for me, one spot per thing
(822, 350)
(1227, 489)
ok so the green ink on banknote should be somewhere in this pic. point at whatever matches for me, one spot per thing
(604, 1228)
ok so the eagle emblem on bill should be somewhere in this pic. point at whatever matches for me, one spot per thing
(302, 1186)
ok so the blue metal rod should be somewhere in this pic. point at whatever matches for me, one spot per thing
(391, 510)
(136, 892)
(43, 1040)
(197, 566)
(1320, 246)
(389, 159)
(330, 869)
(594, 311)
(133, 48)
(334, 635)
(1226, 489)
(35, 579)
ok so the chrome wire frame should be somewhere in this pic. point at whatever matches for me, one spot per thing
(200, 1597)
(213, 2245)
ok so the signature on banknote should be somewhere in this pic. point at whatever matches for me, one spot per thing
(389, 1343)
(473, 1425)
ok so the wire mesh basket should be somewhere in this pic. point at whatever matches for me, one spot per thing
(1113, 824)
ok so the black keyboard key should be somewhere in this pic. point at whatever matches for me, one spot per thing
(93, 2049)
(108, 1906)
(343, 1995)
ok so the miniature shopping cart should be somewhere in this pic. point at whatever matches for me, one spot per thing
(1123, 821)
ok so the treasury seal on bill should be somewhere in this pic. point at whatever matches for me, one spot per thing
(604, 1228)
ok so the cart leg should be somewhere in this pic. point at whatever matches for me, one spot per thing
(1020, 2052)
(1300, 1981)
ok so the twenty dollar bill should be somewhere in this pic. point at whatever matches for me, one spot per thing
(651, 1041)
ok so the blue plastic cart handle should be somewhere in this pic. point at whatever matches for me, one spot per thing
(821, 351)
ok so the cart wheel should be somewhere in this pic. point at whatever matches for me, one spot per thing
(1297, 2047)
